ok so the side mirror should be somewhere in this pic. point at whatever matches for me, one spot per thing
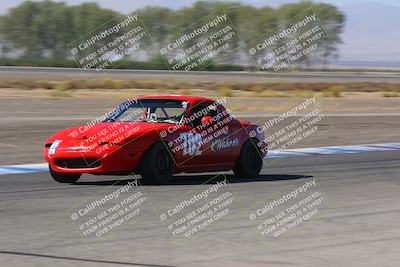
(206, 120)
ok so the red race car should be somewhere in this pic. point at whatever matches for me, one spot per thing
(156, 137)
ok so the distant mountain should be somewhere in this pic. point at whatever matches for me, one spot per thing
(372, 29)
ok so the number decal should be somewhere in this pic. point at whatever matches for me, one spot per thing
(191, 143)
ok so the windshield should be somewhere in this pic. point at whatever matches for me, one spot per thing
(150, 110)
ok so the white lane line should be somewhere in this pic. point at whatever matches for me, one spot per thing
(333, 150)
(23, 168)
(300, 152)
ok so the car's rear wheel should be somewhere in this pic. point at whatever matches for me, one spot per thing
(63, 177)
(157, 165)
(249, 163)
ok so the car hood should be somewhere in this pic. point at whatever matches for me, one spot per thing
(108, 131)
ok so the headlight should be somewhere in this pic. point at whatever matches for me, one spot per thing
(53, 147)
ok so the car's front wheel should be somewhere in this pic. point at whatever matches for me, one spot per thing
(249, 163)
(157, 165)
(63, 177)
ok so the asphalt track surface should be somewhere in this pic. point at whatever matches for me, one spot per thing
(40, 72)
(359, 227)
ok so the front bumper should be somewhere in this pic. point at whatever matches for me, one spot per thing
(112, 160)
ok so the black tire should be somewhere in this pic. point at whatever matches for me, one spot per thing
(157, 165)
(63, 177)
(249, 163)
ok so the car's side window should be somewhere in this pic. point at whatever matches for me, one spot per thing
(197, 114)
(203, 109)
(213, 110)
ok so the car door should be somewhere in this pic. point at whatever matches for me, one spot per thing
(227, 137)
(191, 136)
(210, 143)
